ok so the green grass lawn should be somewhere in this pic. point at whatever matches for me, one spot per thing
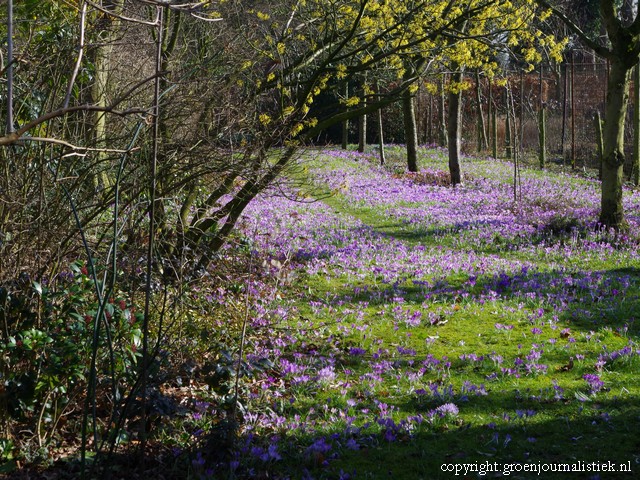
(430, 326)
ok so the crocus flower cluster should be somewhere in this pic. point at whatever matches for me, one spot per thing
(356, 319)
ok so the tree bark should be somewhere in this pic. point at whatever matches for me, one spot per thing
(494, 133)
(454, 130)
(362, 133)
(362, 123)
(380, 129)
(482, 129)
(542, 131)
(611, 214)
(635, 162)
(443, 115)
(99, 89)
(345, 123)
(410, 130)
(600, 143)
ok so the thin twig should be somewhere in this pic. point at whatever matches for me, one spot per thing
(57, 141)
(152, 213)
(122, 17)
(72, 80)
(243, 336)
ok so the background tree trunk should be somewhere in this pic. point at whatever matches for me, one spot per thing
(600, 143)
(443, 114)
(380, 128)
(410, 130)
(453, 128)
(99, 89)
(542, 129)
(362, 133)
(362, 123)
(635, 168)
(345, 123)
(482, 129)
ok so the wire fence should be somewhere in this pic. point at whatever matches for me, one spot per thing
(572, 95)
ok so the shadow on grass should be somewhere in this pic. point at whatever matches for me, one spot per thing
(523, 430)
(586, 299)
(533, 433)
(417, 235)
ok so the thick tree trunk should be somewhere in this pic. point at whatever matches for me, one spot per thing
(410, 130)
(611, 214)
(453, 130)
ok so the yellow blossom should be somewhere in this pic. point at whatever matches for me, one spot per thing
(341, 71)
(264, 119)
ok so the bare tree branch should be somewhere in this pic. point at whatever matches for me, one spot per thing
(13, 137)
(595, 46)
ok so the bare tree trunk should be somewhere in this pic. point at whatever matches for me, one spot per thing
(611, 214)
(482, 129)
(542, 153)
(430, 121)
(635, 169)
(494, 133)
(493, 118)
(443, 115)
(380, 128)
(410, 130)
(362, 132)
(542, 123)
(99, 89)
(508, 136)
(453, 128)
(565, 83)
(345, 123)
(600, 143)
(573, 111)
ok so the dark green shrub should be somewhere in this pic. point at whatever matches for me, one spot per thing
(47, 342)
